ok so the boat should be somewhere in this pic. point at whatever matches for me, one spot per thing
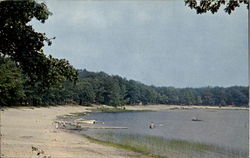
(196, 119)
(86, 121)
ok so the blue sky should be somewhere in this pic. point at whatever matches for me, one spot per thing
(162, 43)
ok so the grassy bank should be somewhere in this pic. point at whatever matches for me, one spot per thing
(161, 147)
(123, 146)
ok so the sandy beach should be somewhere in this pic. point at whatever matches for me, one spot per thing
(22, 128)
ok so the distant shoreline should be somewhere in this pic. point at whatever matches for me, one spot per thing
(153, 107)
(159, 107)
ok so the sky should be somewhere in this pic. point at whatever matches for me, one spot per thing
(156, 42)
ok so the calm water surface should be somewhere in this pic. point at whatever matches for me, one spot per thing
(225, 128)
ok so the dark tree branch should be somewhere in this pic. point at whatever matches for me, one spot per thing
(214, 5)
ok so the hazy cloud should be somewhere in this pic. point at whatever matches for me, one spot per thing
(161, 43)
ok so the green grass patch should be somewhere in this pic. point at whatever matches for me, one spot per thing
(122, 146)
(162, 147)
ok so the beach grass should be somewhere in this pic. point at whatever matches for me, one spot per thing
(123, 146)
(155, 146)
(162, 147)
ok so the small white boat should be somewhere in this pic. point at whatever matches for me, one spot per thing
(86, 121)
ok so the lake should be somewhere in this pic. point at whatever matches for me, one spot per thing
(226, 129)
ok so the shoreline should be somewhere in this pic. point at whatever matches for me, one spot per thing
(160, 107)
(153, 108)
(25, 127)
(25, 132)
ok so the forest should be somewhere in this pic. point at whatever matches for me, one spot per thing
(101, 88)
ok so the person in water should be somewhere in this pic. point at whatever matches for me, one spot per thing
(152, 125)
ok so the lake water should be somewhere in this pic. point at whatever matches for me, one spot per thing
(224, 128)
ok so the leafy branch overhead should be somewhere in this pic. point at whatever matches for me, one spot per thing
(24, 45)
(214, 5)
(21, 44)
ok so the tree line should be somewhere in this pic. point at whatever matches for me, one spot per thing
(101, 88)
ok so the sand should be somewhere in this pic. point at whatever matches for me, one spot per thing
(22, 128)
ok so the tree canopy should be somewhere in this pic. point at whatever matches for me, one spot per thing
(24, 46)
(11, 83)
(214, 5)
(101, 88)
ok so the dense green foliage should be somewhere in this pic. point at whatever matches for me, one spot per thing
(21, 52)
(11, 83)
(101, 88)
